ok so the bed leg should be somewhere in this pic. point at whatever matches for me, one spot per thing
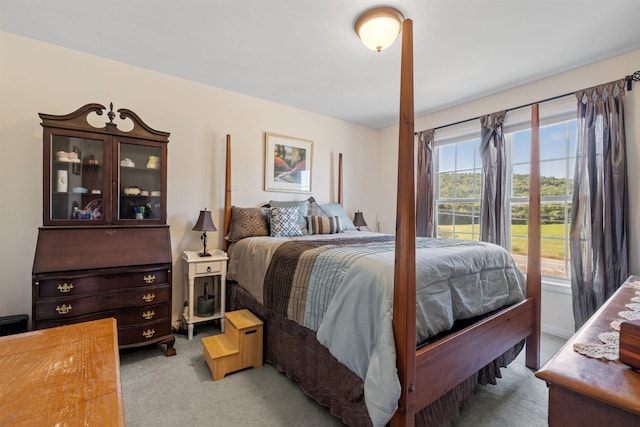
(532, 354)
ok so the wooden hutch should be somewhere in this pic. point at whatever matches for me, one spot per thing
(104, 249)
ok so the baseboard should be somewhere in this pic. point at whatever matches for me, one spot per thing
(555, 331)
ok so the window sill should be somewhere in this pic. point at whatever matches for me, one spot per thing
(558, 286)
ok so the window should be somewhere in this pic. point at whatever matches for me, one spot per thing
(458, 187)
(557, 160)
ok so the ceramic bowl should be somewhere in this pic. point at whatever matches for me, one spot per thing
(132, 191)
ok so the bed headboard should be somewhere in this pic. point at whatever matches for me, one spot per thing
(227, 191)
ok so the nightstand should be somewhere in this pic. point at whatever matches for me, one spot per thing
(195, 266)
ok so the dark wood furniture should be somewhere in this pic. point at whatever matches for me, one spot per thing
(593, 392)
(104, 249)
(112, 173)
(62, 376)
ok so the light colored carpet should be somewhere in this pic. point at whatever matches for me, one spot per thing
(179, 391)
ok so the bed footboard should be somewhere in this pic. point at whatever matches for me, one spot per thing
(488, 339)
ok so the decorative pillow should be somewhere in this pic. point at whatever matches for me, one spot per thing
(335, 209)
(247, 222)
(314, 208)
(301, 205)
(284, 222)
(324, 224)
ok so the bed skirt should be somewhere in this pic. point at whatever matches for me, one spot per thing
(294, 351)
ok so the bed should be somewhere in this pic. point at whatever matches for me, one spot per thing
(425, 375)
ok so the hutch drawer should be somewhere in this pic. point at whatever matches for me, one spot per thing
(143, 334)
(59, 308)
(79, 285)
(124, 317)
(138, 315)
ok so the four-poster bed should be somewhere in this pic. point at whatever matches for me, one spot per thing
(427, 375)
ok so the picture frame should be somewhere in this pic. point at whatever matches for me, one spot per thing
(287, 163)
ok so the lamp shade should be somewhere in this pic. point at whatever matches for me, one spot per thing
(378, 28)
(205, 223)
(358, 220)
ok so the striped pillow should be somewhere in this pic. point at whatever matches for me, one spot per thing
(324, 224)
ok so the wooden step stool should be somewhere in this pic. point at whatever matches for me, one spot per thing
(238, 348)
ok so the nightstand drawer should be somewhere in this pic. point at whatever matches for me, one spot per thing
(213, 267)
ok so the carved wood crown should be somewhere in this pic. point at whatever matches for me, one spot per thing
(77, 120)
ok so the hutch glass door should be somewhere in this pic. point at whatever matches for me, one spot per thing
(140, 178)
(77, 178)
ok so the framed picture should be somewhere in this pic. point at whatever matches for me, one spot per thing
(287, 163)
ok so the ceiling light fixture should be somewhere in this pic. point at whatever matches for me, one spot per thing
(379, 27)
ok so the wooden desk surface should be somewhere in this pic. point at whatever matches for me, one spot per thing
(64, 376)
(609, 382)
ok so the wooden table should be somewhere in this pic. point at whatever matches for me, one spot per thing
(67, 376)
(593, 392)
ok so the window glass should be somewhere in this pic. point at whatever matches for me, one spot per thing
(447, 158)
(458, 193)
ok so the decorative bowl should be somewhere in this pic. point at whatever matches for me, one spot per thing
(132, 191)
(127, 162)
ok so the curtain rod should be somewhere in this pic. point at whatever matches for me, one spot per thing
(635, 77)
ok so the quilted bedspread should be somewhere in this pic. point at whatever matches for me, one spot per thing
(342, 288)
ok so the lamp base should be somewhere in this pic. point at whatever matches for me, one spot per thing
(203, 254)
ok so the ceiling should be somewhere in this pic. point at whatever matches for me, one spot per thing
(305, 53)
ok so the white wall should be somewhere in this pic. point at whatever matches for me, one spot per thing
(38, 77)
(557, 315)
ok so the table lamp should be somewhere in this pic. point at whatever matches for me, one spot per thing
(204, 224)
(358, 220)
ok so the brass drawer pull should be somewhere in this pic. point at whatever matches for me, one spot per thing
(65, 287)
(150, 278)
(149, 333)
(148, 297)
(64, 309)
(149, 314)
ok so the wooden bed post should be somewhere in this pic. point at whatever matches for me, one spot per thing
(340, 179)
(534, 250)
(404, 278)
(227, 195)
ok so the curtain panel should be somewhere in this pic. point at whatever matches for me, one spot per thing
(600, 209)
(424, 200)
(493, 227)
